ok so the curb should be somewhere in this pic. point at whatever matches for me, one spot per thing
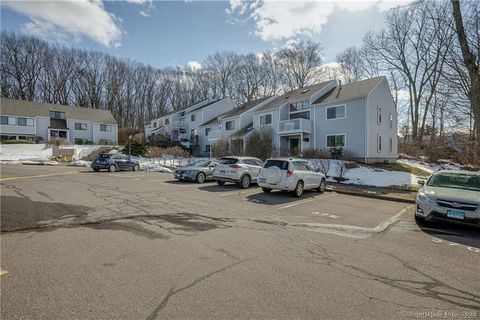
(372, 196)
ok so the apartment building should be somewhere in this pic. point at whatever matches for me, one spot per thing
(27, 120)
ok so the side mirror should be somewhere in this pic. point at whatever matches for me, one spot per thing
(421, 182)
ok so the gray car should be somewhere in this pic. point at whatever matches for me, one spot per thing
(450, 196)
(199, 172)
(240, 170)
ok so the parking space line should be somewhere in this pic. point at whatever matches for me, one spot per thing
(306, 201)
(230, 193)
(40, 176)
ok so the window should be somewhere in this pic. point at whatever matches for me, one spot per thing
(193, 117)
(105, 128)
(306, 139)
(22, 121)
(167, 121)
(80, 126)
(336, 140)
(29, 122)
(379, 143)
(266, 119)
(3, 120)
(229, 125)
(390, 121)
(300, 165)
(182, 114)
(207, 148)
(390, 145)
(337, 112)
(57, 115)
(379, 115)
(154, 124)
(299, 106)
(298, 115)
(207, 130)
(12, 121)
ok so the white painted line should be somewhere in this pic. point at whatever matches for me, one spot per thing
(296, 204)
(230, 194)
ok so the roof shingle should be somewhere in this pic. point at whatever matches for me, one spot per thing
(349, 91)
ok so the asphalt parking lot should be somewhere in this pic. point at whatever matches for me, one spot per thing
(141, 245)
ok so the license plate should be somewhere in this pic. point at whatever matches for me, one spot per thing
(456, 214)
(262, 180)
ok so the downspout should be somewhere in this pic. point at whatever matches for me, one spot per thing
(366, 128)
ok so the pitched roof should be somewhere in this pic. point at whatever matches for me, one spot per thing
(24, 108)
(210, 122)
(242, 132)
(243, 108)
(181, 109)
(299, 94)
(349, 91)
(205, 105)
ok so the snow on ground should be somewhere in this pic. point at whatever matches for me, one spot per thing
(431, 167)
(79, 163)
(369, 176)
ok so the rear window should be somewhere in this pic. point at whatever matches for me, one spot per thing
(282, 164)
(103, 156)
(228, 160)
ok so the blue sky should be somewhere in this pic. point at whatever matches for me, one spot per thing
(176, 33)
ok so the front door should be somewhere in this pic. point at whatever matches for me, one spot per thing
(294, 146)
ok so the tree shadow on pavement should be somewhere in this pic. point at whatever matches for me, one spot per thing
(460, 233)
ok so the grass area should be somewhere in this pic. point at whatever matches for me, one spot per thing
(402, 167)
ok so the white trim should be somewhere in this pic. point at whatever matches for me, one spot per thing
(313, 127)
(265, 114)
(366, 127)
(336, 106)
(336, 134)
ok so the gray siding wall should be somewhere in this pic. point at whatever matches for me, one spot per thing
(275, 119)
(381, 97)
(353, 126)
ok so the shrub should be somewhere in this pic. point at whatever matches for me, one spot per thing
(58, 141)
(324, 166)
(17, 142)
(138, 147)
(316, 154)
(38, 139)
(260, 143)
(124, 133)
(158, 152)
(341, 171)
(221, 148)
(348, 155)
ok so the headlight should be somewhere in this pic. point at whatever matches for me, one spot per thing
(422, 197)
(188, 171)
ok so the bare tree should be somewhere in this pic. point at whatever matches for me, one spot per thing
(223, 66)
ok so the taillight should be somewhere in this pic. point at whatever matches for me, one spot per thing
(235, 166)
(289, 172)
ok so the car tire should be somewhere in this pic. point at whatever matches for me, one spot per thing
(136, 167)
(266, 190)
(112, 168)
(96, 169)
(200, 177)
(322, 186)
(245, 182)
(298, 191)
(220, 182)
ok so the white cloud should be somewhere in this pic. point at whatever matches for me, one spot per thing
(194, 65)
(74, 18)
(280, 20)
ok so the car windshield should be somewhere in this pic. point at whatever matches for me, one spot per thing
(455, 180)
(282, 164)
(228, 160)
(201, 163)
(103, 156)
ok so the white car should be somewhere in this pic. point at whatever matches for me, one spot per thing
(291, 175)
(240, 170)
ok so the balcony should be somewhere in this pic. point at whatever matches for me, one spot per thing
(214, 135)
(178, 125)
(294, 126)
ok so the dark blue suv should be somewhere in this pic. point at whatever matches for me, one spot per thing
(114, 162)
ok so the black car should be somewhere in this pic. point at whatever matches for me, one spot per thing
(114, 162)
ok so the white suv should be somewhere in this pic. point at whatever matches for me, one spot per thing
(292, 175)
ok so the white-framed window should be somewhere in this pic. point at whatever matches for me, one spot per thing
(105, 128)
(379, 115)
(390, 145)
(265, 119)
(193, 117)
(182, 114)
(207, 148)
(379, 143)
(80, 126)
(155, 124)
(299, 106)
(12, 121)
(167, 121)
(390, 121)
(336, 112)
(336, 140)
(207, 131)
(3, 120)
(30, 122)
(57, 114)
(230, 125)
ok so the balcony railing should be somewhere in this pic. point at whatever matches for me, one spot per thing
(294, 125)
(178, 125)
(214, 135)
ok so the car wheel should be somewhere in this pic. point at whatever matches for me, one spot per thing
(266, 190)
(220, 182)
(200, 177)
(96, 169)
(136, 167)
(297, 193)
(112, 168)
(245, 182)
(323, 186)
